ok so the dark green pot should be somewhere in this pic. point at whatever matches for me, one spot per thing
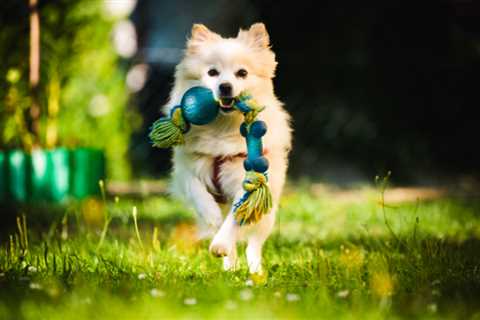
(88, 169)
(59, 162)
(17, 166)
(50, 175)
(39, 182)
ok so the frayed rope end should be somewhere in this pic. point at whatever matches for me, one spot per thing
(256, 201)
(168, 132)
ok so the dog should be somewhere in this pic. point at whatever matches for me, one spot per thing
(208, 167)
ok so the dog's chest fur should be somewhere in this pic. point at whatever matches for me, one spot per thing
(205, 146)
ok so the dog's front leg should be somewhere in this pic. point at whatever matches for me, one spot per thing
(262, 230)
(256, 240)
(225, 241)
(208, 211)
(187, 185)
(224, 244)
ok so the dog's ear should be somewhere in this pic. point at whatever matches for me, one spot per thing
(257, 36)
(200, 34)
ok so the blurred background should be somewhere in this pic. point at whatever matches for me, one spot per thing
(372, 86)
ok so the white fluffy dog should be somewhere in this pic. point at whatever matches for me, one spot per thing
(208, 168)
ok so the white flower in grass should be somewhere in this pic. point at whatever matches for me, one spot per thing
(246, 294)
(142, 276)
(249, 283)
(156, 293)
(190, 301)
(292, 297)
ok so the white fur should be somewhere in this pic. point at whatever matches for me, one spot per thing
(192, 162)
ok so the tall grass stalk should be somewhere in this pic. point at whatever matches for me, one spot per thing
(107, 217)
(137, 233)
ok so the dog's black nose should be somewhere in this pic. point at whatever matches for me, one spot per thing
(225, 89)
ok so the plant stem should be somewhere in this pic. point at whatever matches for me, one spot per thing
(134, 213)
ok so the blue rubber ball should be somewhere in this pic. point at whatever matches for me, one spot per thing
(199, 106)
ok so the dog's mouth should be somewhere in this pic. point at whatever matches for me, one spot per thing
(226, 104)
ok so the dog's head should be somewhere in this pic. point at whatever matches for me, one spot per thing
(228, 66)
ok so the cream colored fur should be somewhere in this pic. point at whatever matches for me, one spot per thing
(192, 162)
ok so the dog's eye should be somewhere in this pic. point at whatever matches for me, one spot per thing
(213, 72)
(242, 73)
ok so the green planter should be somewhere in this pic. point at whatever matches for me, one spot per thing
(17, 162)
(60, 174)
(88, 169)
(50, 175)
(39, 176)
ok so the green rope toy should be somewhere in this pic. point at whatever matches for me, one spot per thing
(199, 107)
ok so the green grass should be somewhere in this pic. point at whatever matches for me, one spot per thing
(329, 257)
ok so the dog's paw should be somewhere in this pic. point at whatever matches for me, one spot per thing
(219, 249)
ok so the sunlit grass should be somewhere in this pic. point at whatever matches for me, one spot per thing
(333, 255)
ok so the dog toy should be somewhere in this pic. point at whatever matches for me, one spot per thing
(199, 107)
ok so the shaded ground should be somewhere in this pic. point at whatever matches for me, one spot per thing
(333, 254)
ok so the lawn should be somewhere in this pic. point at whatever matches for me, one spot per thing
(342, 254)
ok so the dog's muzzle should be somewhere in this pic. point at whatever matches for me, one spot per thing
(226, 104)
